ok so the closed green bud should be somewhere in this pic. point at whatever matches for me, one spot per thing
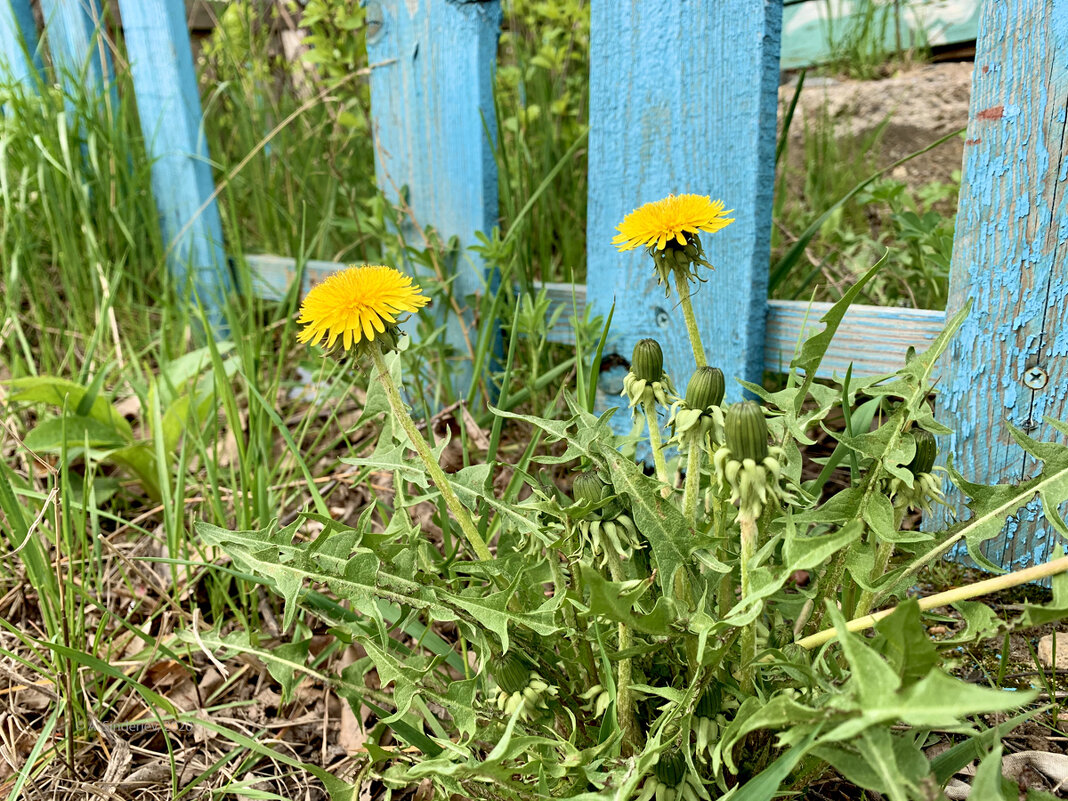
(747, 432)
(671, 767)
(589, 487)
(710, 703)
(926, 451)
(510, 672)
(647, 361)
(705, 389)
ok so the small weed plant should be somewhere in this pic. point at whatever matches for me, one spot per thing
(593, 630)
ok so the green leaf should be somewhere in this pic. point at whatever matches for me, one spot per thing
(815, 347)
(493, 613)
(941, 701)
(80, 431)
(980, 623)
(872, 680)
(988, 782)
(659, 520)
(964, 753)
(765, 785)
(615, 601)
(781, 711)
(903, 641)
(56, 391)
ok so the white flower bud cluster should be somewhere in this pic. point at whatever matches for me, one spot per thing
(530, 699)
(926, 490)
(617, 535)
(751, 485)
(639, 391)
(687, 789)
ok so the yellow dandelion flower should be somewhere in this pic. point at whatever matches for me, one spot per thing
(656, 224)
(356, 304)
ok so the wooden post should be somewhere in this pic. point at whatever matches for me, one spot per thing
(161, 63)
(20, 61)
(1009, 363)
(683, 99)
(432, 64)
(74, 31)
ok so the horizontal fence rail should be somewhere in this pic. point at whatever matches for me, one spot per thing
(872, 339)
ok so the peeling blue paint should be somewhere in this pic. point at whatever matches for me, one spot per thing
(168, 102)
(20, 57)
(1010, 259)
(683, 99)
(431, 113)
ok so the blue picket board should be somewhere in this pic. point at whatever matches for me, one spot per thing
(683, 99)
(20, 59)
(161, 64)
(1009, 363)
(80, 55)
(432, 65)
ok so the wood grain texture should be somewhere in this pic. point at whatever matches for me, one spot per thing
(683, 99)
(79, 53)
(1009, 363)
(434, 126)
(20, 60)
(873, 339)
(161, 64)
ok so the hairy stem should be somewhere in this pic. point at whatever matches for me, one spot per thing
(692, 488)
(883, 554)
(748, 544)
(682, 286)
(656, 443)
(828, 585)
(433, 469)
(628, 723)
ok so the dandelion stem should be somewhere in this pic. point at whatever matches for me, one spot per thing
(682, 286)
(437, 475)
(628, 724)
(748, 543)
(692, 488)
(655, 442)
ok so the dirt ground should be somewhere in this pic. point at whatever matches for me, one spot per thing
(924, 103)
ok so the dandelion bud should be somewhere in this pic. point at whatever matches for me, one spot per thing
(647, 361)
(711, 701)
(589, 488)
(705, 388)
(926, 451)
(510, 672)
(671, 767)
(747, 432)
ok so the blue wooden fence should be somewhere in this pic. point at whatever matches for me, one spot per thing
(682, 99)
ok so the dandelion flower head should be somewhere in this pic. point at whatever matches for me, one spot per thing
(657, 224)
(357, 304)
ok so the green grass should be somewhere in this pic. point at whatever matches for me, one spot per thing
(229, 432)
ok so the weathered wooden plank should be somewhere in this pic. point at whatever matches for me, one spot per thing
(161, 64)
(73, 31)
(683, 99)
(873, 339)
(811, 28)
(272, 275)
(434, 126)
(1009, 364)
(20, 60)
